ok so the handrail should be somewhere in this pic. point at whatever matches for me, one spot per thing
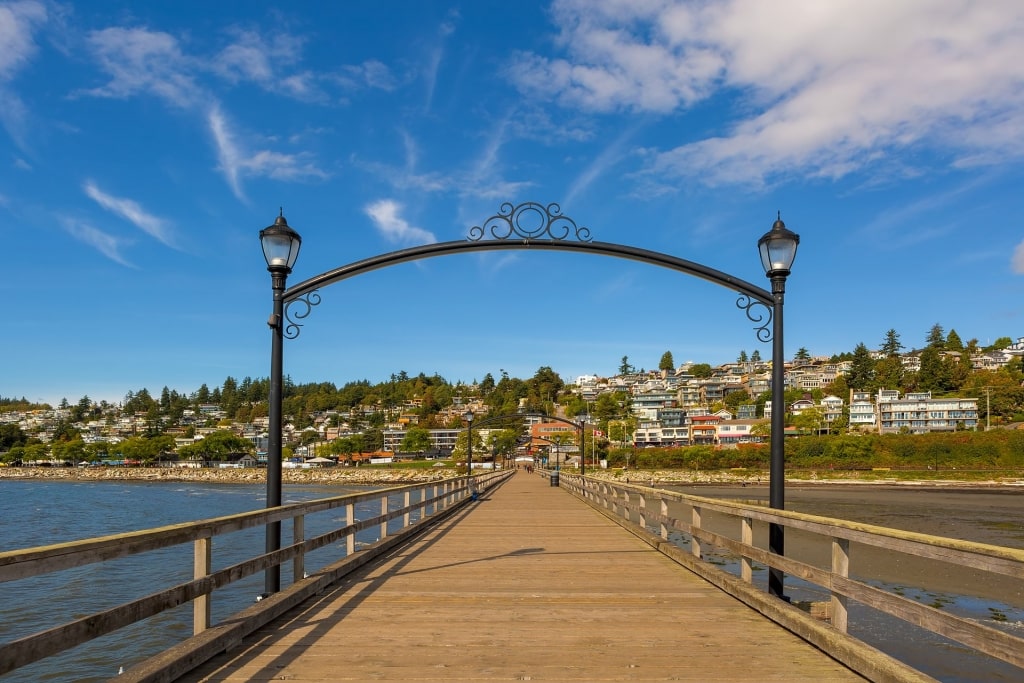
(435, 500)
(642, 507)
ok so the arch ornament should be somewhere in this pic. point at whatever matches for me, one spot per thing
(529, 225)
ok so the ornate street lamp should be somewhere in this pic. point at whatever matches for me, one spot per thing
(280, 249)
(468, 417)
(778, 250)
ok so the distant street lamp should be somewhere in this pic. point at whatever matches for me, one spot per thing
(468, 417)
(280, 249)
(778, 250)
(582, 447)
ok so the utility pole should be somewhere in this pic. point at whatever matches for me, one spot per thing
(988, 408)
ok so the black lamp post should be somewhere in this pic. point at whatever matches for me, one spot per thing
(280, 249)
(468, 417)
(583, 448)
(778, 250)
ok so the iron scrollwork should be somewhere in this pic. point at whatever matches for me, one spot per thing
(529, 221)
(763, 321)
(293, 325)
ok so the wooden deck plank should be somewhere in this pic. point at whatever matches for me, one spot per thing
(525, 584)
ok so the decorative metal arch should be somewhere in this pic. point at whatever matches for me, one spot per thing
(525, 226)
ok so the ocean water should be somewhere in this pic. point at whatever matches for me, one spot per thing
(36, 513)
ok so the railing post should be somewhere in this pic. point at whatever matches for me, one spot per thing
(694, 526)
(298, 536)
(664, 516)
(384, 513)
(747, 539)
(201, 565)
(840, 567)
(643, 512)
(407, 501)
(350, 539)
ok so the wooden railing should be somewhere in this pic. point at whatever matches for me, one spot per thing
(648, 510)
(432, 502)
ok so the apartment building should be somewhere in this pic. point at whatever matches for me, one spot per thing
(919, 413)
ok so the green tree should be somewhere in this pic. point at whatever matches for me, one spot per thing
(416, 440)
(1000, 344)
(667, 363)
(802, 354)
(373, 439)
(862, 369)
(889, 373)
(891, 345)
(932, 375)
(936, 337)
(953, 342)
(809, 420)
(742, 358)
(217, 446)
(624, 367)
(11, 435)
(701, 370)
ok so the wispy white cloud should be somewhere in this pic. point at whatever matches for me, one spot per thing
(251, 57)
(827, 90)
(369, 74)
(138, 60)
(609, 157)
(236, 162)
(105, 243)
(435, 55)
(19, 22)
(132, 211)
(269, 63)
(1017, 262)
(385, 216)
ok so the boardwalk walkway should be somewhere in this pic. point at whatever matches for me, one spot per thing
(527, 583)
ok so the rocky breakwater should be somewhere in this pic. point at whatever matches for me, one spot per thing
(341, 476)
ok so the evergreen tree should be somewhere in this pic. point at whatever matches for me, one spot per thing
(889, 374)
(755, 357)
(892, 346)
(937, 337)
(624, 367)
(667, 362)
(932, 375)
(862, 369)
(953, 342)
(742, 358)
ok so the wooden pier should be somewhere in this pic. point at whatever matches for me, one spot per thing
(525, 583)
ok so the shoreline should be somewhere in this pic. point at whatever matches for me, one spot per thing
(347, 476)
(370, 476)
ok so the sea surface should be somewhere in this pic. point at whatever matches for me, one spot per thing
(38, 512)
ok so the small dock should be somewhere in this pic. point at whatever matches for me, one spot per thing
(525, 583)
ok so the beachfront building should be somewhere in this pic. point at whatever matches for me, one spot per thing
(441, 440)
(919, 413)
(862, 411)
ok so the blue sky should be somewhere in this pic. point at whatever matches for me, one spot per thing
(144, 145)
